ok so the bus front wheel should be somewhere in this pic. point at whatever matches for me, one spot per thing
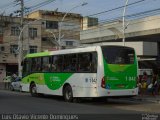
(33, 90)
(68, 94)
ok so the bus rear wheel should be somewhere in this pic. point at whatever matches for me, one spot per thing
(68, 94)
(33, 90)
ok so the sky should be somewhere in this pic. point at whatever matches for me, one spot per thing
(93, 7)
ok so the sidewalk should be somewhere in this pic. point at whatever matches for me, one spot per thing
(148, 98)
(1, 85)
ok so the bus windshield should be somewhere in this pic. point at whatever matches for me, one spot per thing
(118, 54)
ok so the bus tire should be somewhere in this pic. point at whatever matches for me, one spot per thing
(33, 90)
(68, 94)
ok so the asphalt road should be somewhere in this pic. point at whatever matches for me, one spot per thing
(22, 103)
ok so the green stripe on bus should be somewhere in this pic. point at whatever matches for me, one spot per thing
(52, 80)
(56, 80)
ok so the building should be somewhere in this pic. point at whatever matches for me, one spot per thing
(9, 37)
(141, 34)
(40, 33)
(69, 25)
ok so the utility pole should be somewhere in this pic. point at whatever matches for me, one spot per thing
(20, 42)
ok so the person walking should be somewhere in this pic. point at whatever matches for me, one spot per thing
(144, 83)
(158, 85)
(155, 82)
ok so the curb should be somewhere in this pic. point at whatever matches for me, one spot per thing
(153, 100)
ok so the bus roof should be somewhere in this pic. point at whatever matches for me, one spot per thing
(37, 54)
(66, 51)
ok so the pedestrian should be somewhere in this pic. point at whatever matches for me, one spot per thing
(14, 76)
(144, 83)
(154, 82)
(149, 85)
(158, 86)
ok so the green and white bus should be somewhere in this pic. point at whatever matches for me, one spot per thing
(95, 71)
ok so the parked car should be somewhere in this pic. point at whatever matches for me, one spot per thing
(16, 84)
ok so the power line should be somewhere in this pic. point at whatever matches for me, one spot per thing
(118, 18)
(102, 26)
(133, 16)
(7, 5)
(105, 28)
(140, 1)
(34, 7)
(120, 7)
(129, 16)
(92, 31)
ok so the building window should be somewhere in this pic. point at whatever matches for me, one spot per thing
(32, 49)
(13, 49)
(51, 24)
(44, 39)
(92, 21)
(32, 33)
(69, 43)
(2, 48)
(15, 31)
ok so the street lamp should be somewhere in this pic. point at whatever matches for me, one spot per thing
(124, 27)
(59, 37)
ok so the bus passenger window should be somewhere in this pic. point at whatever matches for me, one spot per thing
(45, 64)
(70, 63)
(56, 65)
(38, 64)
(94, 62)
(87, 62)
(35, 65)
(84, 62)
(26, 67)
